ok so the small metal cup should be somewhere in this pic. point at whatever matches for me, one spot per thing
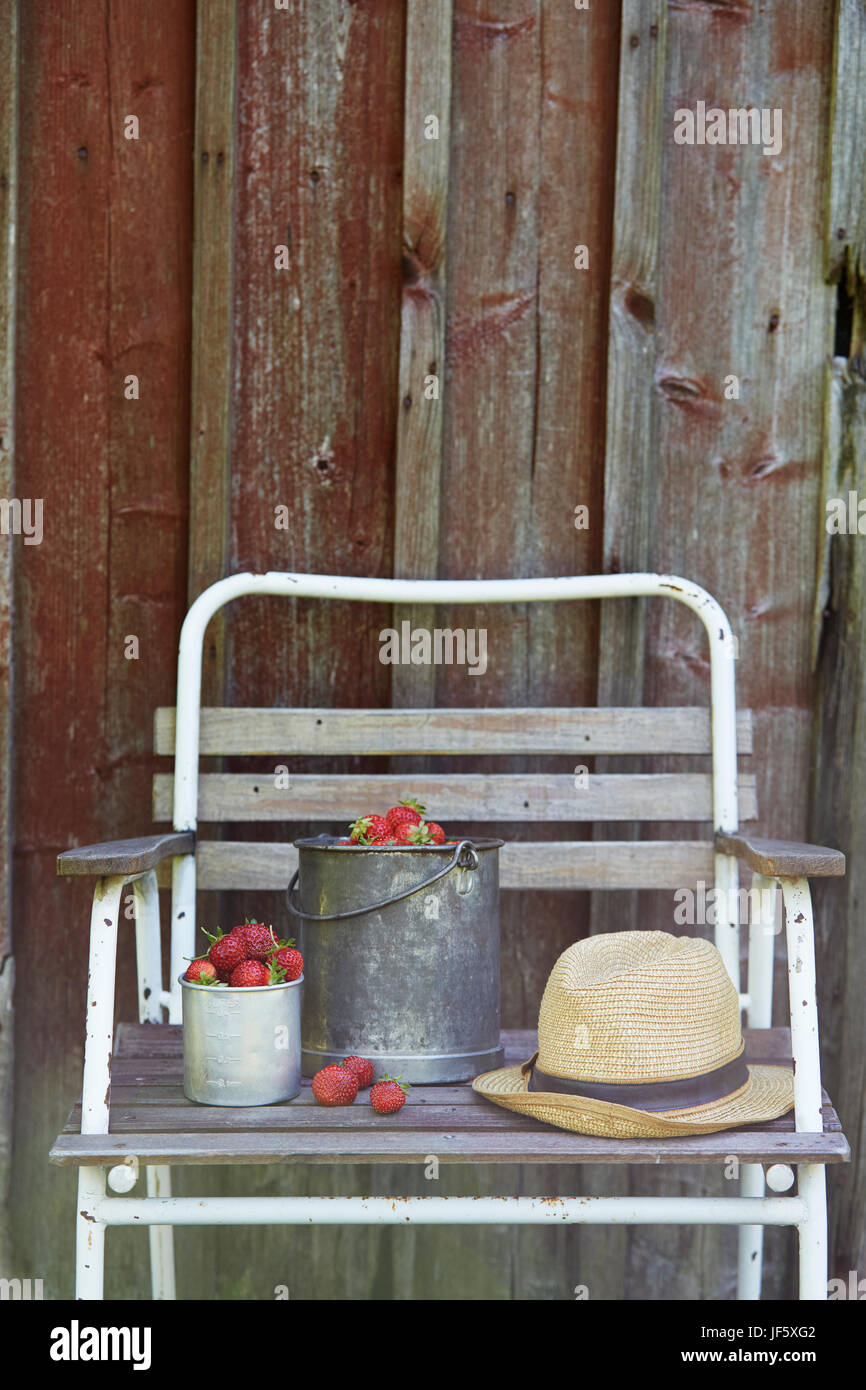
(241, 1046)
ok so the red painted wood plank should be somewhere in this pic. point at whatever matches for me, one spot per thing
(320, 147)
(103, 293)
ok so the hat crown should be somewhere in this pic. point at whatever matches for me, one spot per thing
(637, 1007)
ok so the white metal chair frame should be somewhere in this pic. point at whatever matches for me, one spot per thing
(751, 1210)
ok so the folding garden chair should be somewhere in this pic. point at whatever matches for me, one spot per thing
(118, 1127)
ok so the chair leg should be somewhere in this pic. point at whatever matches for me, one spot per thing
(89, 1237)
(162, 1281)
(812, 1188)
(751, 1239)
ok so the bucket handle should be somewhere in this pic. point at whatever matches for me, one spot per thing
(469, 861)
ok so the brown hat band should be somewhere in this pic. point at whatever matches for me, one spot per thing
(651, 1095)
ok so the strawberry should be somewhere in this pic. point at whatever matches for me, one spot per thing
(288, 960)
(258, 940)
(384, 839)
(366, 828)
(201, 970)
(406, 834)
(437, 833)
(361, 1068)
(249, 973)
(388, 1095)
(409, 812)
(225, 953)
(335, 1085)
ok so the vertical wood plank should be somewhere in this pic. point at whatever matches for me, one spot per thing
(8, 229)
(628, 471)
(422, 325)
(839, 656)
(732, 473)
(846, 221)
(631, 441)
(533, 139)
(149, 282)
(314, 404)
(103, 292)
(149, 72)
(213, 240)
(837, 813)
(8, 261)
(61, 586)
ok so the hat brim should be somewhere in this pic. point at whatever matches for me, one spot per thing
(768, 1093)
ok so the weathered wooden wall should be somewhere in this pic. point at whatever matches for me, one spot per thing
(303, 388)
(8, 216)
(104, 282)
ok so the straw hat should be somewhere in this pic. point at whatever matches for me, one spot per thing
(639, 1036)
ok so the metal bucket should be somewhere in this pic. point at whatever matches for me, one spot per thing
(241, 1046)
(401, 956)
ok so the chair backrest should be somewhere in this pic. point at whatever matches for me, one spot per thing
(277, 794)
(721, 797)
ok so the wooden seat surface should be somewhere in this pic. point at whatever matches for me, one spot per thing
(152, 1119)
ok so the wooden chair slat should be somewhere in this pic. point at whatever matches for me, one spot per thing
(413, 1146)
(562, 864)
(455, 797)
(306, 732)
(151, 1118)
(145, 1044)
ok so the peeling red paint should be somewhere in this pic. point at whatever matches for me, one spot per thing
(471, 335)
(480, 33)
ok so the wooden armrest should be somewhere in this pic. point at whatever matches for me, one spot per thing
(125, 856)
(783, 858)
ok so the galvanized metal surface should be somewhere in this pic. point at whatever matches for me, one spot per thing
(414, 986)
(242, 1046)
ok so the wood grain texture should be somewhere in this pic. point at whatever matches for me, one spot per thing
(734, 470)
(213, 280)
(728, 492)
(846, 219)
(540, 865)
(315, 351)
(452, 1121)
(139, 1042)
(731, 474)
(784, 858)
(418, 462)
(105, 228)
(8, 274)
(374, 732)
(632, 404)
(630, 436)
(837, 813)
(124, 856)
(462, 797)
(8, 543)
